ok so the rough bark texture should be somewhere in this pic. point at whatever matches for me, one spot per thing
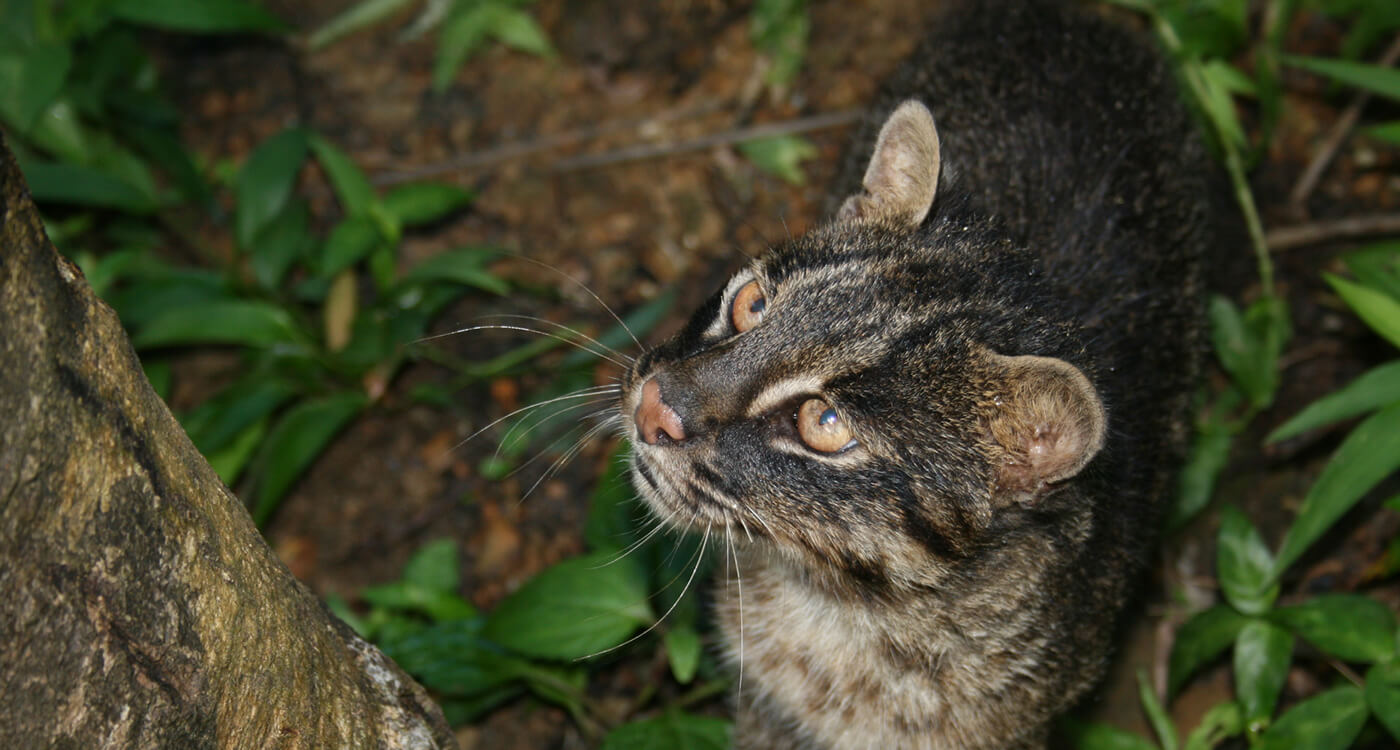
(139, 606)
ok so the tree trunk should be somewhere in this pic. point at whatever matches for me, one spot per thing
(139, 606)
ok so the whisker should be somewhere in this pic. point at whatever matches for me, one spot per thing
(522, 428)
(699, 558)
(574, 332)
(739, 584)
(523, 329)
(656, 526)
(564, 458)
(597, 390)
(590, 292)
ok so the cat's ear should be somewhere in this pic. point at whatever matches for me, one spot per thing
(903, 173)
(1048, 421)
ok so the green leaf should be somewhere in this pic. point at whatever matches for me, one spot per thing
(612, 510)
(1383, 695)
(297, 439)
(30, 80)
(1210, 451)
(1374, 78)
(1377, 309)
(1378, 387)
(451, 658)
(1367, 455)
(1388, 132)
(1156, 714)
(1248, 345)
(1244, 564)
(461, 35)
(358, 16)
(683, 651)
(779, 29)
(515, 28)
(576, 609)
(242, 322)
(84, 186)
(424, 202)
(1218, 101)
(461, 266)
(1377, 265)
(1326, 721)
(206, 16)
(1200, 640)
(780, 156)
(265, 182)
(638, 322)
(1222, 721)
(147, 297)
(230, 460)
(434, 566)
(281, 243)
(1263, 652)
(1348, 626)
(350, 242)
(160, 375)
(215, 423)
(440, 606)
(1092, 735)
(351, 186)
(672, 730)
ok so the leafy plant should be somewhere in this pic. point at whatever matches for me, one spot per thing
(315, 353)
(779, 29)
(465, 26)
(547, 636)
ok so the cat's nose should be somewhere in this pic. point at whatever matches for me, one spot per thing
(657, 422)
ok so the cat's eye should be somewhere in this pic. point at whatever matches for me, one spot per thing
(821, 428)
(747, 309)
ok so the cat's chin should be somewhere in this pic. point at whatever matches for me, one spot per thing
(689, 511)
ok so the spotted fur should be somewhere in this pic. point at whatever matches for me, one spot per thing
(1014, 362)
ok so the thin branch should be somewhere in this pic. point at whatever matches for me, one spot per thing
(1341, 129)
(738, 135)
(1319, 232)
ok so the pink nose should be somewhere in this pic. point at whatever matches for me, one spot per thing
(656, 421)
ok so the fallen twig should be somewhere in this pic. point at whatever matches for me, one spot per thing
(1315, 233)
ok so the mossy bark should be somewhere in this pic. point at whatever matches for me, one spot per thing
(139, 606)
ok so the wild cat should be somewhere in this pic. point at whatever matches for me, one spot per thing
(939, 429)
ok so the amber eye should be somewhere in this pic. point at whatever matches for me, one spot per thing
(748, 307)
(821, 428)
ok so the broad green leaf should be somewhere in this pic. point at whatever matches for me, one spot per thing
(160, 375)
(230, 460)
(215, 423)
(1156, 715)
(351, 186)
(265, 182)
(780, 156)
(1092, 735)
(1348, 626)
(1374, 78)
(359, 16)
(296, 440)
(1207, 30)
(1369, 454)
(1218, 102)
(208, 16)
(1383, 695)
(1222, 721)
(30, 80)
(515, 28)
(460, 266)
(434, 566)
(1378, 387)
(1377, 265)
(351, 241)
(1388, 132)
(1243, 564)
(613, 511)
(564, 686)
(146, 297)
(424, 202)
(1200, 640)
(84, 186)
(779, 29)
(440, 606)
(282, 241)
(683, 651)
(1377, 309)
(1263, 653)
(451, 658)
(242, 322)
(1210, 451)
(462, 33)
(1248, 344)
(578, 608)
(672, 730)
(1327, 721)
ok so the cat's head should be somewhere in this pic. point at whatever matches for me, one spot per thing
(871, 396)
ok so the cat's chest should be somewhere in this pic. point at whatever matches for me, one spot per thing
(850, 677)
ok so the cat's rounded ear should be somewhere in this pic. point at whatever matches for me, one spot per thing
(1048, 421)
(903, 173)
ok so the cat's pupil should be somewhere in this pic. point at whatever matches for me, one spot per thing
(827, 418)
(758, 305)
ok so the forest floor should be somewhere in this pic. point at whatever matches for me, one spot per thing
(550, 147)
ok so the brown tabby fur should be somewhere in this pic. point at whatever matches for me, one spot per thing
(1006, 314)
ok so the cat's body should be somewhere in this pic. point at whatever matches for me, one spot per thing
(938, 431)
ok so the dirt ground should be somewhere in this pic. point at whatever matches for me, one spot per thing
(550, 146)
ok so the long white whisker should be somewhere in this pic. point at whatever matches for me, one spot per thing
(590, 292)
(584, 393)
(656, 526)
(570, 330)
(699, 558)
(739, 583)
(524, 329)
(520, 429)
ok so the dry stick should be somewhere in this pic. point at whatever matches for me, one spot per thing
(1323, 231)
(1338, 135)
(768, 130)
